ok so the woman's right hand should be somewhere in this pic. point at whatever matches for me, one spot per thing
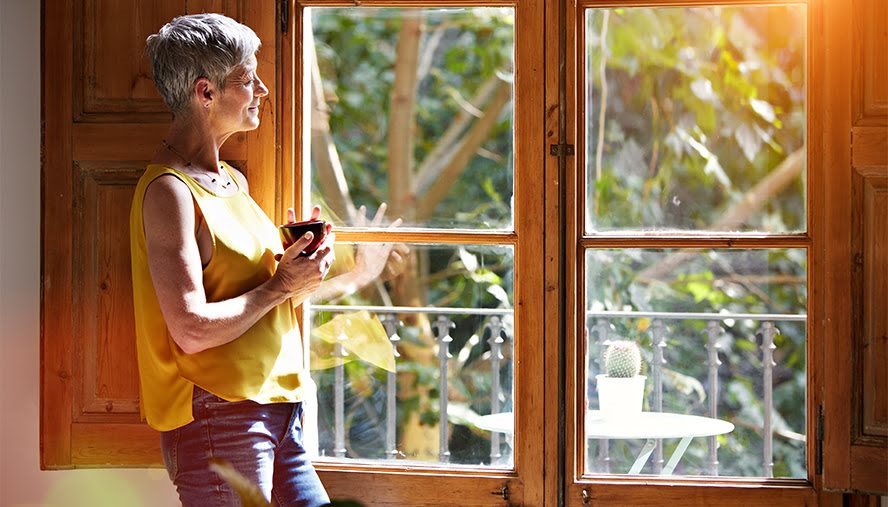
(302, 275)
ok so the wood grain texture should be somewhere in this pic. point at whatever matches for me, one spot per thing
(57, 375)
(114, 445)
(529, 217)
(113, 73)
(422, 488)
(263, 173)
(287, 101)
(868, 466)
(869, 146)
(816, 219)
(870, 57)
(856, 399)
(869, 296)
(104, 329)
(641, 494)
(835, 240)
(560, 258)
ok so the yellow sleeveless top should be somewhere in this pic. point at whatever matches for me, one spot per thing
(265, 364)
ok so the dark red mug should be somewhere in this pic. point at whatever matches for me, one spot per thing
(290, 233)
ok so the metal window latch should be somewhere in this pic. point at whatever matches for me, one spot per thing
(502, 492)
(561, 150)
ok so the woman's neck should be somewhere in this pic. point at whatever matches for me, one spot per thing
(193, 142)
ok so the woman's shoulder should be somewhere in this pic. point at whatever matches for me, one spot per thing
(162, 182)
(168, 196)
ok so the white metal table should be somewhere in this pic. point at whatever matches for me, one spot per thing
(650, 426)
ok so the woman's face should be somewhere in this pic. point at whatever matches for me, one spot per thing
(237, 107)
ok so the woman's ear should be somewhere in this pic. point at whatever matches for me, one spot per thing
(204, 91)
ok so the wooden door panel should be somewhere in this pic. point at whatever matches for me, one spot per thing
(113, 71)
(118, 73)
(103, 326)
(869, 248)
(114, 444)
(870, 70)
(855, 453)
(870, 291)
(103, 122)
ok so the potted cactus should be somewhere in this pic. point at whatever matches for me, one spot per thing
(621, 388)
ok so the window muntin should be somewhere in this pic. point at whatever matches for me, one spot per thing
(704, 119)
(425, 123)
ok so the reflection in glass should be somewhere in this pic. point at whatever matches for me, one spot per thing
(379, 354)
(696, 118)
(705, 321)
(412, 107)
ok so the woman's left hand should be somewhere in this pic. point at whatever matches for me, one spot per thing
(371, 259)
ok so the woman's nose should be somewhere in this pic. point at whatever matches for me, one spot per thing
(261, 90)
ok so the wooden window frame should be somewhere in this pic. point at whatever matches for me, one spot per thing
(589, 489)
(409, 483)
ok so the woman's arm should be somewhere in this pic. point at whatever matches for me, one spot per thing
(174, 261)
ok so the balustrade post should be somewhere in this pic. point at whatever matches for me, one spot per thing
(391, 323)
(603, 328)
(339, 397)
(768, 331)
(495, 340)
(713, 332)
(444, 325)
(658, 342)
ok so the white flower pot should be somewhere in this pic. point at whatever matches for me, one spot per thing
(620, 396)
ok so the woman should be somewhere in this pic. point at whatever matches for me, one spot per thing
(219, 350)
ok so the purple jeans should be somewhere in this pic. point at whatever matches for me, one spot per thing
(262, 442)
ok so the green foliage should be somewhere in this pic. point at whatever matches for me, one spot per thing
(701, 104)
(460, 50)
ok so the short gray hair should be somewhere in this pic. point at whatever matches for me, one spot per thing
(195, 46)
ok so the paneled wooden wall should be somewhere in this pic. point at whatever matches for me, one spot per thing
(856, 246)
(103, 121)
(869, 235)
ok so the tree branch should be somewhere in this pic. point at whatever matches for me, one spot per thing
(772, 184)
(432, 163)
(458, 159)
(602, 109)
(331, 176)
(401, 115)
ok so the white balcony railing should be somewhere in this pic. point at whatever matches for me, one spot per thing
(600, 325)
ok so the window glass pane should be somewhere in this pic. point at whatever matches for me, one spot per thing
(378, 403)
(695, 118)
(412, 107)
(703, 321)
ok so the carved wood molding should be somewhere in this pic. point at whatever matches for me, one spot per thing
(112, 73)
(103, 330)
(869, 285)
(870, 72)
